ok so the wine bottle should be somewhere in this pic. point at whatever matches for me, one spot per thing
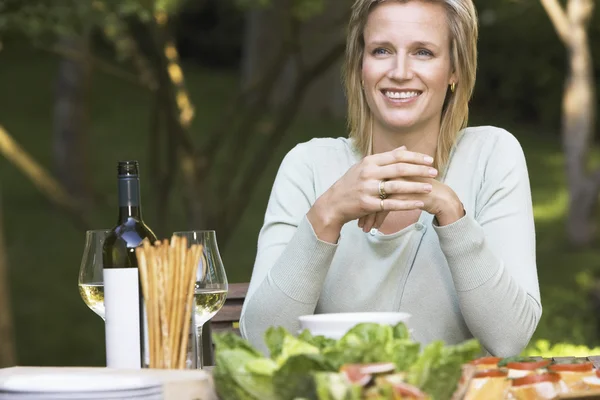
(125, 317)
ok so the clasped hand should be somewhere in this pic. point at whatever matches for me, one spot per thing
(405, 178)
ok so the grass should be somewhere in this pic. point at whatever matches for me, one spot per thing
(53, 325)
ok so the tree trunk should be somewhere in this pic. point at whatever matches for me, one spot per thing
(7, 342)
(579, 117)
(71, 121)
(578, 126)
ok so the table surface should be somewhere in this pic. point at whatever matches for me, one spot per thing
(594, 359)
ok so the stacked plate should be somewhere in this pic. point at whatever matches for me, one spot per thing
(79, 385)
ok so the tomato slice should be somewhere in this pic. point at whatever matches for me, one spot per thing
(491, 373)
(578, 367)
(361, 374)
(377, 368)
(528, 365)
(355, 375)
(536, 378)
(408, 391)
(486, 361)
(598, 373)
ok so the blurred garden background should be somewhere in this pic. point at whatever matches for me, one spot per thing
(209, 95)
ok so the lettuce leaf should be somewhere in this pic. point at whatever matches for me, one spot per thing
(295, 378)
(404, 353)
(274, 340)
(334, 386)
(231, 341)
(292, 346)
(371, 343)
(234, 381)
(321, 342)
(400, 331)
(438, 368)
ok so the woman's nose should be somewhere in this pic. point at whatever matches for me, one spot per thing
(401, 68)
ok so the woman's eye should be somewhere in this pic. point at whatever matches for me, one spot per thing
(424, 52)
(380, 51)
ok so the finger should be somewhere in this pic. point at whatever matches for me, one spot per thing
(402, 186)
(397, 170)
(369, 221)
(395, 204)
(392, 203)
(361, 222)
(401, 155)
(379, 218)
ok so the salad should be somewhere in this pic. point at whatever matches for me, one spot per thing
(371, 361)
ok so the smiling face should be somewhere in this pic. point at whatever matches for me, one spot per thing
(406, 66)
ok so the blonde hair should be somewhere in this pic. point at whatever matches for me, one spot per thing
(462, 21)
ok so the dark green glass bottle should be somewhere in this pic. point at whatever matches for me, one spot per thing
(125, 336)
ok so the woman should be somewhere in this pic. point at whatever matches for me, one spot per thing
(413, 212)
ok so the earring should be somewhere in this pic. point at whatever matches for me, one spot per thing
(453, 87)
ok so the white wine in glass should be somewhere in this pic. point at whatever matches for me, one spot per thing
(207, 302)
(91, 282)
(93, 296)
(211, 283)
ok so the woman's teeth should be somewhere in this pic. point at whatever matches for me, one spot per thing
(401, 95)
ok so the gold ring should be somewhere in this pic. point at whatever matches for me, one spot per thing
(382, 193)
(381, 204)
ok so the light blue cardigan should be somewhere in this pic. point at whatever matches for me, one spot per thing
(474, 278)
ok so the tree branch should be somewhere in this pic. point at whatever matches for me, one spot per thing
(40, 178)
(559, 19)
(236, 203)
(125, 42)
(98, 63)
(170, 76)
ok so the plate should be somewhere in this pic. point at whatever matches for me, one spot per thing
(78, 382)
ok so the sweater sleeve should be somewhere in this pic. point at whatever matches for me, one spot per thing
(491, 255)
(291, 262)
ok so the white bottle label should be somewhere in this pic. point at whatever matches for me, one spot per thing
(122, 304)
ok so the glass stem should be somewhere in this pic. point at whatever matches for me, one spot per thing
(199, 352)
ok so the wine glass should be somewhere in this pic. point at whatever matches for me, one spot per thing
(211, 283)
(91, 282)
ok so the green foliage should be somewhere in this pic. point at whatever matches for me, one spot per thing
(302, 9)
(567, 314)
(53, 19)
(544, 348)
(306, 9)
(38, 18)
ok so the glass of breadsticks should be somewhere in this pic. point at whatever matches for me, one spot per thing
(168, 276)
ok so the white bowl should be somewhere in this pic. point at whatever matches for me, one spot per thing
(337, 324)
